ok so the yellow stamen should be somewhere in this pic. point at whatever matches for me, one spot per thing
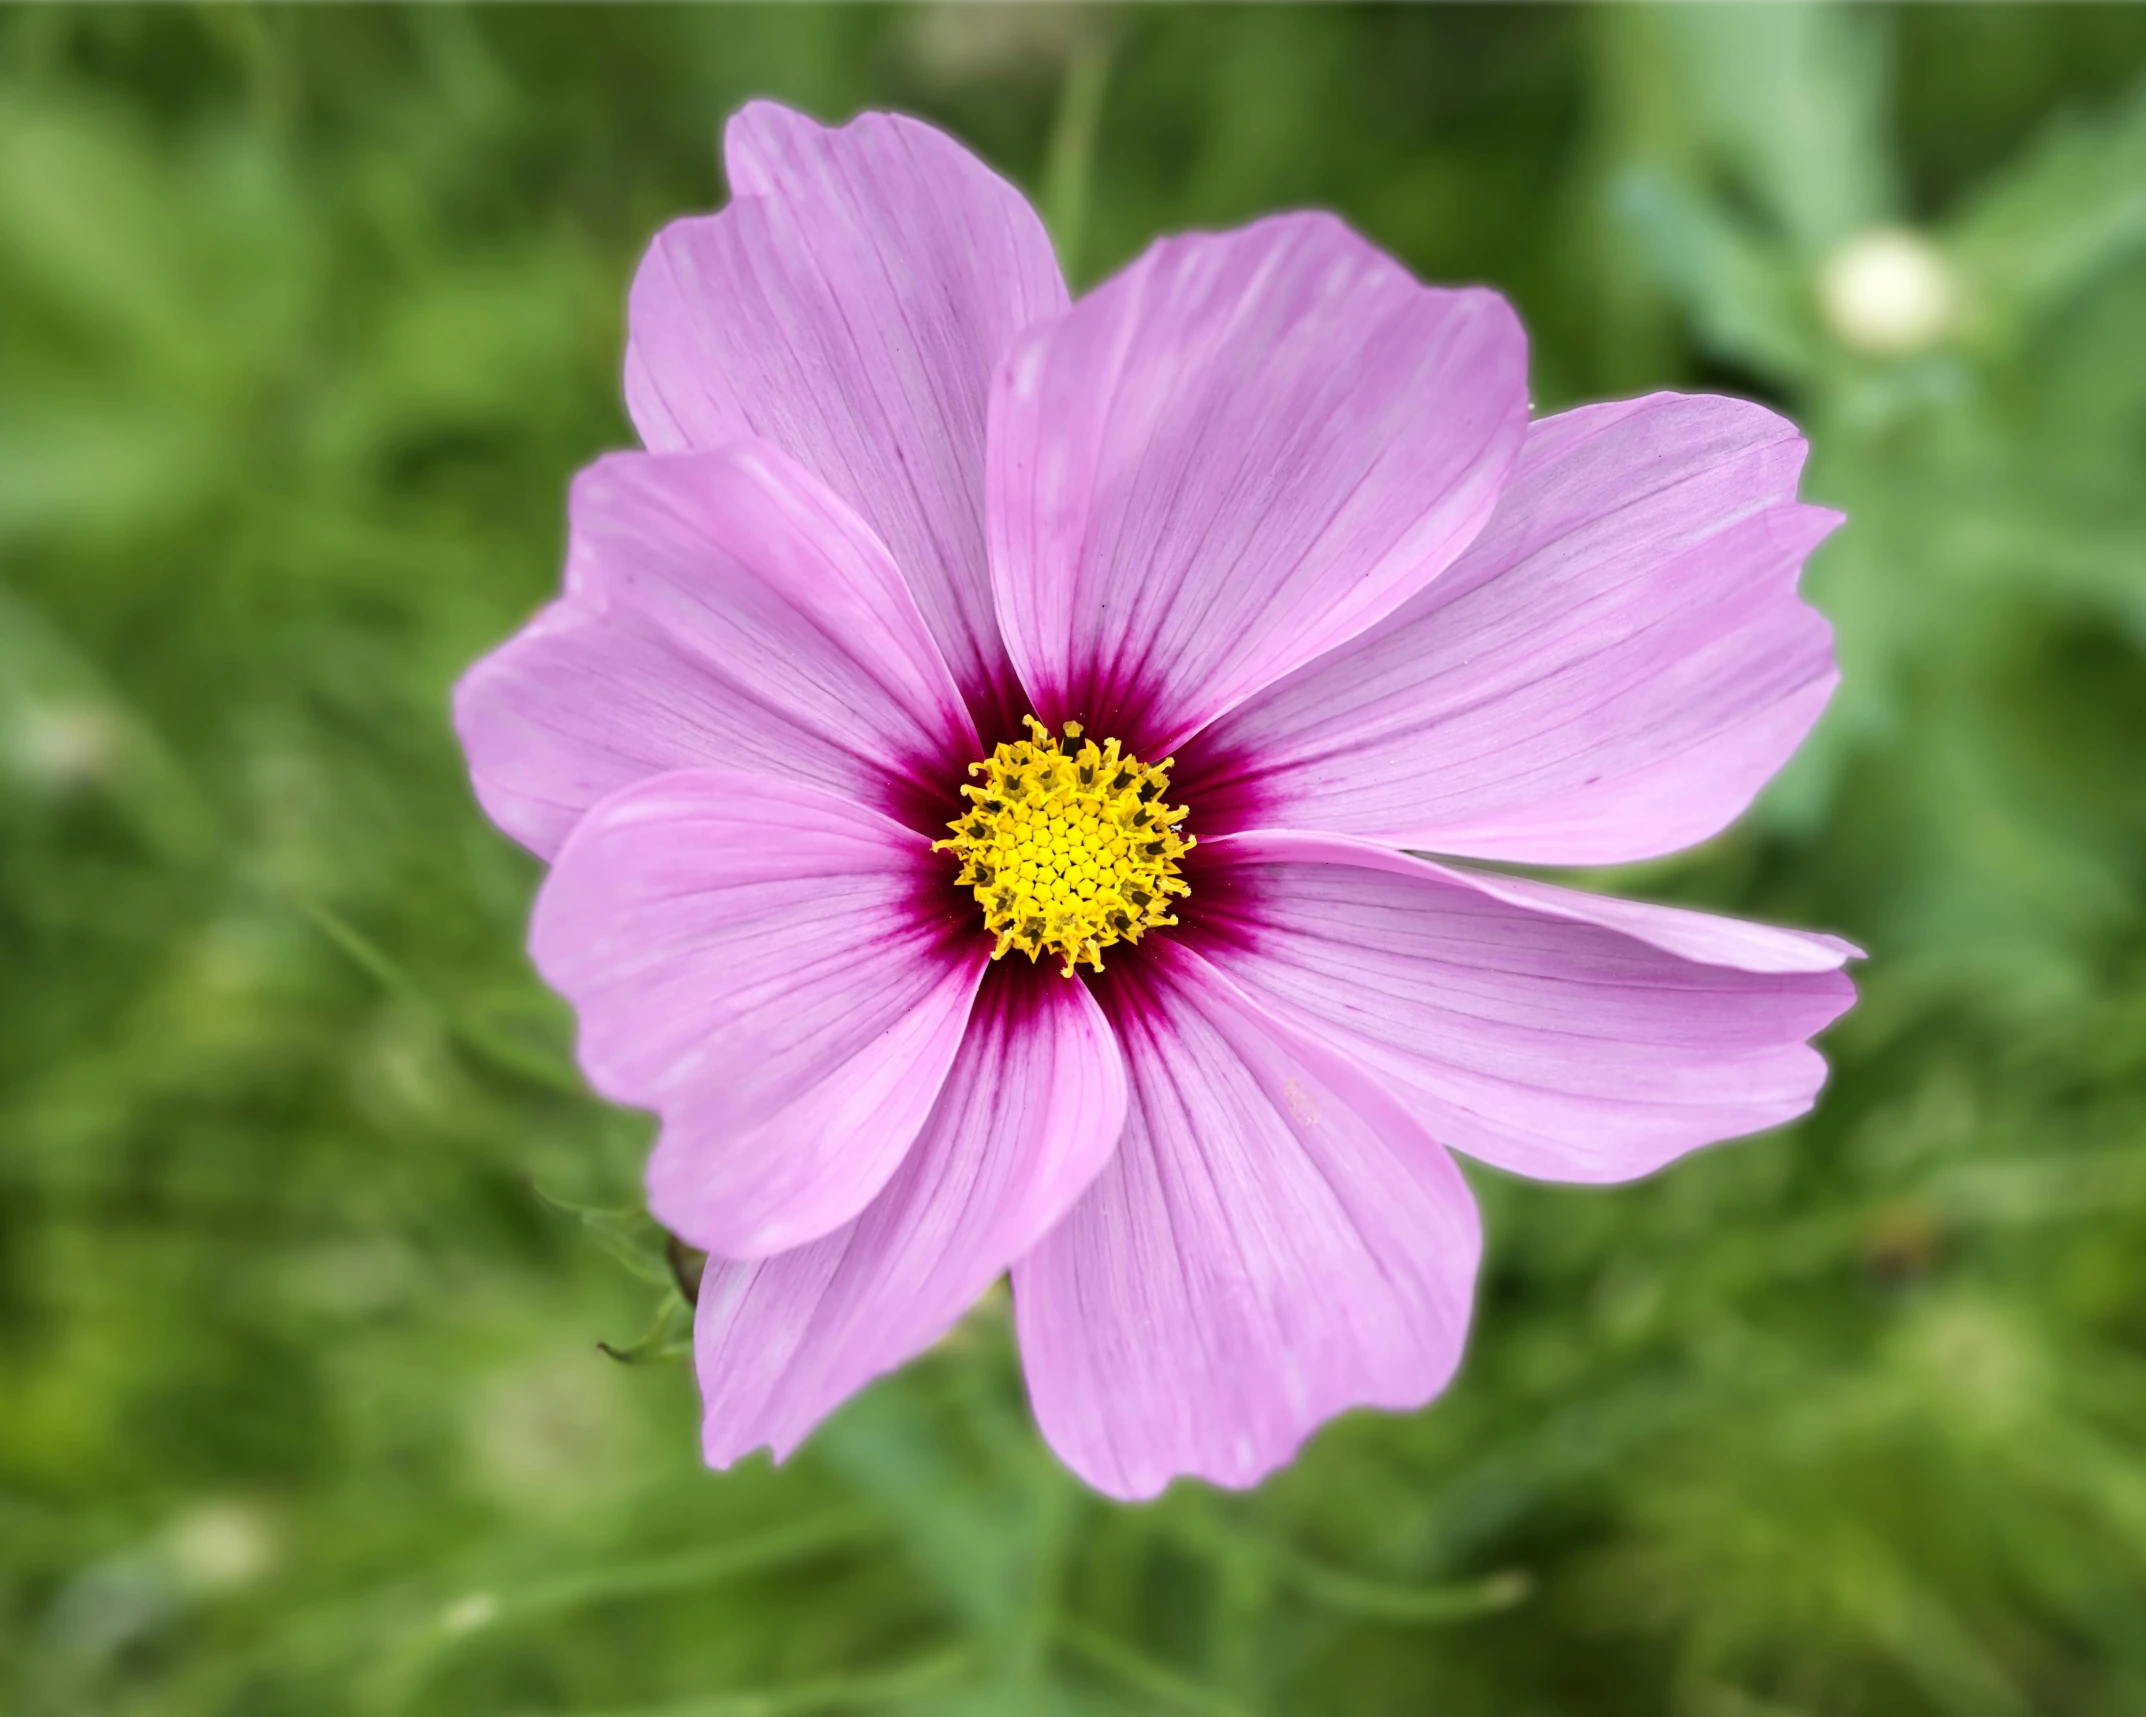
(1069, 847)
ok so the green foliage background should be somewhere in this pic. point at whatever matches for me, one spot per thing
(305, 317)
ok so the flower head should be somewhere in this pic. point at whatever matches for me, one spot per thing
(1068, 845)
(976, 747)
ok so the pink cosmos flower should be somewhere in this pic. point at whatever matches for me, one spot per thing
(1266, 522)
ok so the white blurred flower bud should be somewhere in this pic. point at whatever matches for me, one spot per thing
(62, 746)
(220, 1546)
(1888, 292)
(468, 1613)
(550, 1433)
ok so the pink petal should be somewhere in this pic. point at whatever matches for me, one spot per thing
(774, 971)
(1240, 452)
(1273, 1242)
(849, 307)
(1031, 1110)
(722, 609)
(1552, 1033)
(1612, 671)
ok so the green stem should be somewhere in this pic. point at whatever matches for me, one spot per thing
(1069, 169)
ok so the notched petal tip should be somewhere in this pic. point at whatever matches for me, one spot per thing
(1238, 453)
(1612, 671)
(1030, 1111)
(1559, 1035)
(1275, 1242)
(849, 306)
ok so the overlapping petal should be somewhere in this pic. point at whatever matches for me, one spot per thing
(1233, 456)
(1275, 1240)
(722, 610)
(773, 971)
(849, 307)
(1031, 1109)
(1612, 670)
(1556, 1034)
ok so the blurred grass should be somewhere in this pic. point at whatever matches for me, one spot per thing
(306, 315)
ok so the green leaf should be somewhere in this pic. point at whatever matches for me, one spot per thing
(669, 1337)
(1795, 98)
(2067, 213)
(627, 1233)
(1743, 293)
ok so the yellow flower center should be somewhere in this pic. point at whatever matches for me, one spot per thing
(1068, 846)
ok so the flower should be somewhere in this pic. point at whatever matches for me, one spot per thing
(1889, 292)
(975, 749)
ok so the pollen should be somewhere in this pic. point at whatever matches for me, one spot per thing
(1068, 846)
